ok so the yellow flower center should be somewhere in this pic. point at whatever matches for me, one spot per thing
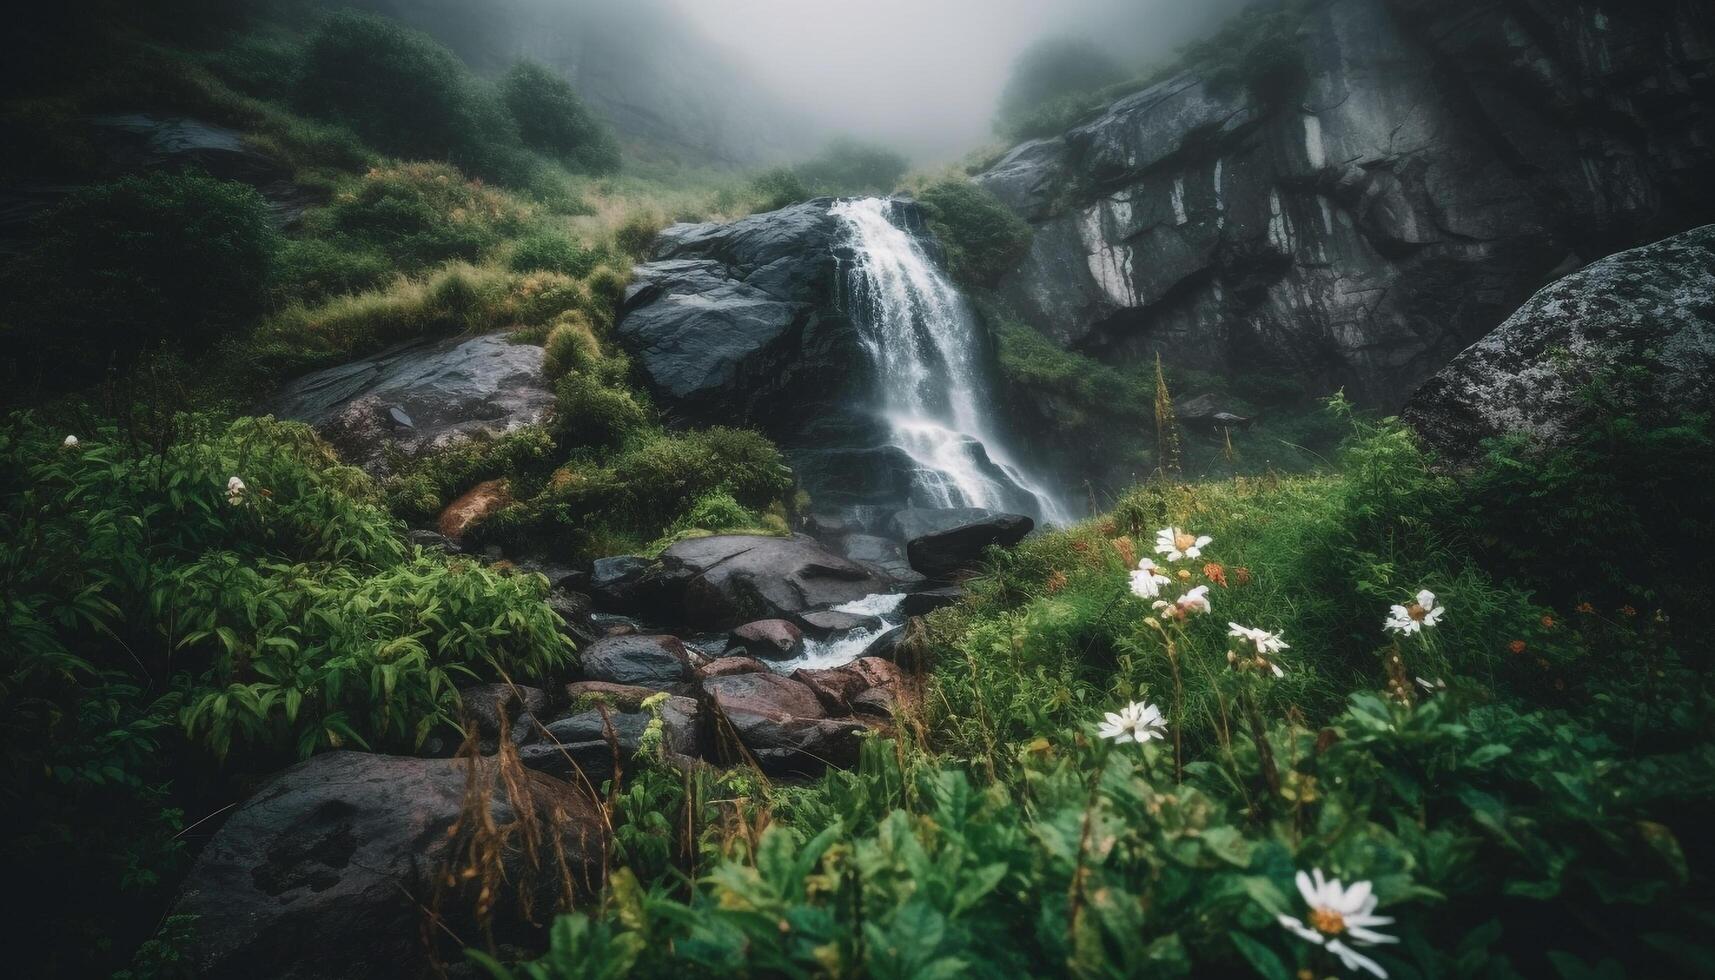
(1416, 611)
(1183, 541)
(1327, 921)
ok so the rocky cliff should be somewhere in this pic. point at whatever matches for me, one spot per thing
(1445, 159)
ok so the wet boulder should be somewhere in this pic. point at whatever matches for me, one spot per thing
(939, 543)
(733, 579)
(656, 662)
(1650, 308)
(420, 398)
(352, 848)
(780, 723)
(586, 744)
(771, 639)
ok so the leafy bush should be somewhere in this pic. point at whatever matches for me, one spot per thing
(406, 95)
(420, 489)
(851, 167)
(635, 236)
(177, 257)
(590, 413)
(552, 119)
(572, 347)
(157, 619)
(312, 270)
(983, 238)
(1054, 71)
(553, 252)
(422, 214)
(779, 187)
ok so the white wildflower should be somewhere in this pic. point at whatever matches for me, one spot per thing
(1264, 641)
(1414, 618)
(1178, 545)
(1435, 686)
(1139, 722)
(1147, 581)
(1339, 913)
(1194, 601)
(70, 443)
(235, 491)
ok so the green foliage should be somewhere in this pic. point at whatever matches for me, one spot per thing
(421, 214)
(421, 488)
(1619, 516)
(406, 95)
(1492, 816)
(635, 236)
(848, 167)
(1257, 51)
(169, 257)
(779, 187)
(546, 250)
(1054, 71)
(157, 621)
(313, 270)
(984, 240)
(553, 120)
(590, 413)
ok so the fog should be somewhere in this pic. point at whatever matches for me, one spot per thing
(923, 76)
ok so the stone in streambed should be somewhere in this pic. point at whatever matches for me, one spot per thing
(657, 662)
(771, 639)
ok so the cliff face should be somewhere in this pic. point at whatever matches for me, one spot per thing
(1446, 159)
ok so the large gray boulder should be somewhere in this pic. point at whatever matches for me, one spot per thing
(1446, 159)
(1651, 308)
(585, 745)
(733, 579)
(421, 398)
(334, 869)
(656, 662)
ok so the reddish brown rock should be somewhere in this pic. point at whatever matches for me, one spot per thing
(733, 665)
(775, 639)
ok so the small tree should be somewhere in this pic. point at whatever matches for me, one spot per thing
(848, 166)
(553, 120)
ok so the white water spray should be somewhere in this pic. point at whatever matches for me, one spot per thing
(922, 337)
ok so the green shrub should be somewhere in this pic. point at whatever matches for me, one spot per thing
(420, 489)
(422, 214)
(590, 413)
(406, 95)
(176, 257)
(553, 120)
(778, 188)
(850, 167)
(572, 346)
(983, 238)
(635, 236)
(311, 270)
(607, 287)
(553, 252)
(155, 621)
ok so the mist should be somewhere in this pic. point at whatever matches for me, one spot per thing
(923, 76)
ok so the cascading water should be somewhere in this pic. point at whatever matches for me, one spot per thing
(922, 337)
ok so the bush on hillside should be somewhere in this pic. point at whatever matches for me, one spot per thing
(554, 252)
(589, 413)
(421, 214)
(777, 188)
(1056, 70)
(848, 167)
(553, 120)
(635, 236)
(183, 258)
(407, 95)
(983, 238)
(313, 270)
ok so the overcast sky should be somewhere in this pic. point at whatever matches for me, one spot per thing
(924, 75)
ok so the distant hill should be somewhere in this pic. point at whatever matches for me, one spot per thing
(668, 91)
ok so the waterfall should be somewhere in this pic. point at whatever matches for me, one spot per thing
(922, 337)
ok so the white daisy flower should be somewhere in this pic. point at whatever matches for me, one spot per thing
(1178, 545)
(1147, 581)
(1264, 641)
(1194, 601)
(1339, 913)
(1138, 722)
(70, 443)
(235, 491)
(1414, 618)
